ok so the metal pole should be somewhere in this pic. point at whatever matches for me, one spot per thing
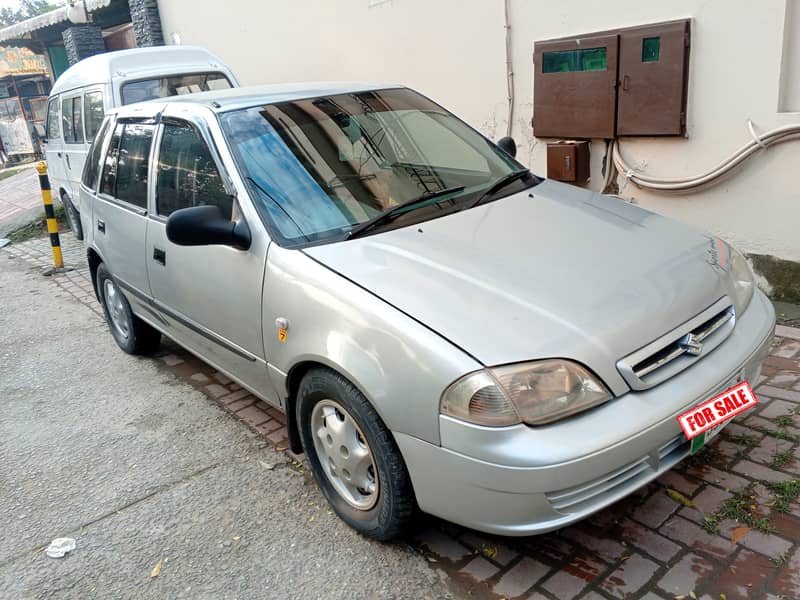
(52, 226)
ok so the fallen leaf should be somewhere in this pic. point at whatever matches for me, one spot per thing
(489, 551)
(679, 498)
(157, 569)
(723, 597)
(266, 465)
(691, 594)
(739, 533)
(236, 538)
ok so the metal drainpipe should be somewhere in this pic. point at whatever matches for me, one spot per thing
(509, 70)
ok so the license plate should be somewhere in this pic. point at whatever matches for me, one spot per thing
(705, 420)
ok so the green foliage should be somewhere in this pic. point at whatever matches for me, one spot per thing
(26, 10)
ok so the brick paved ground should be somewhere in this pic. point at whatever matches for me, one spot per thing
(20, 198)
(739, 536)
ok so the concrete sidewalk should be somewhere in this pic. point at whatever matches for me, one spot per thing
(20, 199)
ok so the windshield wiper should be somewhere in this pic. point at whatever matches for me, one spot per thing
(498, 185)
(399, 209)
(278, 204)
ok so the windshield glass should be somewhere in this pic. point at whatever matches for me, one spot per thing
(173, 85)
(320, 166)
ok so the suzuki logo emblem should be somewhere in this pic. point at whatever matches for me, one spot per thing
(690, 345)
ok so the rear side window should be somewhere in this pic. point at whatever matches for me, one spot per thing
(94, 112)
(53, 116)
(134, 151)
(175, 85)
(92, 167)
(108, 181)
(72, 120)
(187, 173)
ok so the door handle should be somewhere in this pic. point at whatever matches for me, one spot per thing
(69, 166)
(160, 256)
(101, 226)
(58, 154)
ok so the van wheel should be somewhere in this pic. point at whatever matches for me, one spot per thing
(73, 218)
(132, 334)
(353, 456)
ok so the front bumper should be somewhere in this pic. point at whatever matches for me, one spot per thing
(524, 480)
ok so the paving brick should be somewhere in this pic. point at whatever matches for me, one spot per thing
(268, 426)
(629, 577)
(705, 503)
(787, 583)
(778, 363)
(784, 379)
(233, 397)
(222, 378)
(774, 392)
(656, 510)
(787, 525)
(215, 390)
(686, 575)
(723, 479)
(278, 436)
(234, 387)
(606, 548)
(787, 332)
(765, 543)
(573, 577)
(788, 349)
(479, 568)
(775, 408)
(651, 542)
(442, 545)
(747, 573)
(685, 485)
(240, 404)
(253, 415)
(520, 578)
(496, 551)
(759, 472)
(549, 548)
(768, 449)
(695, 537)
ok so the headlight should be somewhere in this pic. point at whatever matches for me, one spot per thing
(742, 277)
(533, 393)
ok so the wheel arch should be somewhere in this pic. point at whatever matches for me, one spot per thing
(94, 260)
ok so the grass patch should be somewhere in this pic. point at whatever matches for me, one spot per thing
(781, 458)
(38, 226)
(784, 420)
(779, 435)
(785, 493)
(744, 440)
(10, 173)
(780, 560)
(741, 509)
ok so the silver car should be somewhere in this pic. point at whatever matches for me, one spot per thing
(444, 330)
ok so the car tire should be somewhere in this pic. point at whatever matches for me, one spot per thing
(132, 334)
(332, 415)
(72, 216)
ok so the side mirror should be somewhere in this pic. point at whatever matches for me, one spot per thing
(206, 226)
(508, 145)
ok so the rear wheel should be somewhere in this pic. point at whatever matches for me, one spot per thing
(132, 334)
(72, 216)
(353, 456)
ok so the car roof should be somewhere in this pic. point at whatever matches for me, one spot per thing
(248, 96)
(136, 62)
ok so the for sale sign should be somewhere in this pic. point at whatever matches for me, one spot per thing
(717, 410)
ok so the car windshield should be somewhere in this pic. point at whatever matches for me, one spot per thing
(319, 167)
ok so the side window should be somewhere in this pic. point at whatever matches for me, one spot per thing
(77, 119)
(93, 107)
(108, 181)
(66, 119)
(134, 151)
(53, 116)
(92, 167)
(187, 174)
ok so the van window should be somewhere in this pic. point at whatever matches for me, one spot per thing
(108, 181)
(175, 85)
(187, 174)
(53, 116)
(92, 167)
(72, 120)
(93, 107)
(134, 152)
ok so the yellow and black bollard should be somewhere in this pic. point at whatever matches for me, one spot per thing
(52, 226)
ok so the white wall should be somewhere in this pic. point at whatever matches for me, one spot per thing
(454, 52)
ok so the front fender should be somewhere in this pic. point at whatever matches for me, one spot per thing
(401, 366)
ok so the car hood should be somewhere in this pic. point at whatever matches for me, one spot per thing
(554, 271)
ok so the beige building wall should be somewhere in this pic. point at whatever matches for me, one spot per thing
(743, 66)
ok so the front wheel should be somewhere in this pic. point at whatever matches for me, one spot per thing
(132, 334)
(353, 456)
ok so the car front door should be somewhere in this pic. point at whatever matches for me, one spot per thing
(209, 295)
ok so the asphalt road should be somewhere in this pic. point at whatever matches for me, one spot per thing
(139, 467)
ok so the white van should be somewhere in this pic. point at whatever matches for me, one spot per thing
(84, 92)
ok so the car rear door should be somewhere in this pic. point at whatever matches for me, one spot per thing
(209, 295)
(74, 148)
(119, 214)
(54, 145)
